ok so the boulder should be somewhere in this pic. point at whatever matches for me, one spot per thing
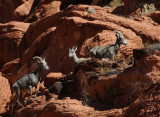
(130, 6)
(82, 31)
(148, 60)
(146, 104)
(5, 93)
(45, 8)
(51, 78)
(10, 35)
(118, 87)
(62, 108)
(75, 26)
(14, 10)
(101, 84)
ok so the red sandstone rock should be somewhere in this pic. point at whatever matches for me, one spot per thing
(51, 78)
(62, 108)
(10, 36)
(14, 10)
(149, 64)
(113, 87)
(55, 32)
(5, 93)
(130, 6)
(44, 9)
(75, 26)
(100, 2)
(147, 104)
(22, 11)
(155, 16)
(53, 38)
(9, 67)
(54, 107)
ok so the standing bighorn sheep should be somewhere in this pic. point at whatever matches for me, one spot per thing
(28, 81)
(109, 51)
(72, 53)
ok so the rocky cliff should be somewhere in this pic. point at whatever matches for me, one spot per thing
(48, 28)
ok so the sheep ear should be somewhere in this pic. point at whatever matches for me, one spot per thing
(117, 35)
(75, 48)
(38, 61)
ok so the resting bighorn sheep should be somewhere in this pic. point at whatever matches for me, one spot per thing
(28, 81)
(109, 51)
(72, 53)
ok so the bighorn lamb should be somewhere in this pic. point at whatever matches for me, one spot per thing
(72, 53)
(109, 51)
(28, 81)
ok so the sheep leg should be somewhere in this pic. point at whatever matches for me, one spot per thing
(17, 90)
(13, 106)
(18, 95)
(30, 90)
(93, 54)
(35, 92)
(113, 57)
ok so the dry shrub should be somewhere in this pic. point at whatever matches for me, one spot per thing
(115, 3)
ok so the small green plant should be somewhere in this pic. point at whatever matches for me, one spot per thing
(114, 3)
(146, 44)
(143, 45)
(102, 68)
(157, 72)
(155, 46)
(131, 17)
(84, 97)
(147, 8)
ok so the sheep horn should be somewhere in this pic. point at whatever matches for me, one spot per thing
(116, 31)
(37, 57)
(74, 47)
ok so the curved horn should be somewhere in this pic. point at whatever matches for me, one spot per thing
(116, 31)
(74, 47)
(37, 57)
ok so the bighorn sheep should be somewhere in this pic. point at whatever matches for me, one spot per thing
(109, 51)
(28, 81)
(72, 53)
